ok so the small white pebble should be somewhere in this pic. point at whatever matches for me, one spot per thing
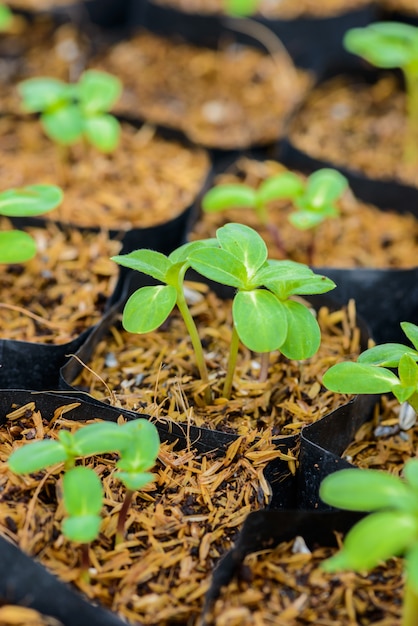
(299, 546)
(407, 416)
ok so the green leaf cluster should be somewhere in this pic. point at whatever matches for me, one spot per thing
(314, 200)
(137, 443)
(70, 112)
(17, 246)
(390, 530)
(264, 315)
(372, 372)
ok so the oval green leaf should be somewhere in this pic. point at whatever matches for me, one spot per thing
(148, 307)
(16, 247)
(102, 131)
(40, 94)
(324, 187)
(228, 196)
(219, 265)
(64, 124)
(36, 456)
(31, 200)
(82, 528)
(148, 262)
(98, 91)
(375, 539)
(245, 244)
(411, 331)
(366, 490)
(286, 185)
(143, 446)
(82, 492)
(260, 320)
(134, 480)
(350, 377)
(387, 354)
(303, 334)
(99, 438)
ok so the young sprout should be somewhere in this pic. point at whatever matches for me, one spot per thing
(314, 201)
(370, 374)
(136, 459)
(6, 17)
(137, 443)
(70, 112)
(265, 318)
(17, 246)
(391, 529)
(391, 45)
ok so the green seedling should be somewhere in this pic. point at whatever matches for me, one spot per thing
(265, 318)
(17, 246)
(136, 459)
(71, 112)
(6, 17)
(314, 201)
(390, 45)
(390, 530)
(137, 443)
(370, 374)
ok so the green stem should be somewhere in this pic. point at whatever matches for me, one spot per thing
(123, 513)
(232, 362)
(411, 131)
(410, 606)
(195, 339)
(85, 562)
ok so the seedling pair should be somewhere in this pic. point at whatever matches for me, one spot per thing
(390, 45)
(137, 443)
(314, 200)
(70, 112)
(265, 318)
(17, 246)
(392, 528)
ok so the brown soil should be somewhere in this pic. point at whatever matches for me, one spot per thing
(155, 373)
(39, 4)
(362, 236)
(146, 181)
(230, 98)
(356, 125)
(400, 6)
(282, 9)
(62, 290)
(178, 527)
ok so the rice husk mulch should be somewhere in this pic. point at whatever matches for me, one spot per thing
(361, 236)
(177, 527)
(155, 373)
(357, 125)
(146, 181)
(63, 290)
(231, 98)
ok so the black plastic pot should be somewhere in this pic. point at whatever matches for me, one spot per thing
(384, 193)
(22, 580)
(311, 42)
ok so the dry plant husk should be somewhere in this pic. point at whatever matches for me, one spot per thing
(386, 441)
(15, 615)
(281, 9)
(155, 373)
(230, 98)
(37, 5)
(39, 47)
(361, 236)
(177, 527)
(146, 181)
(286, 587)
(63, 290)
(408, 7)
(360, 125)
